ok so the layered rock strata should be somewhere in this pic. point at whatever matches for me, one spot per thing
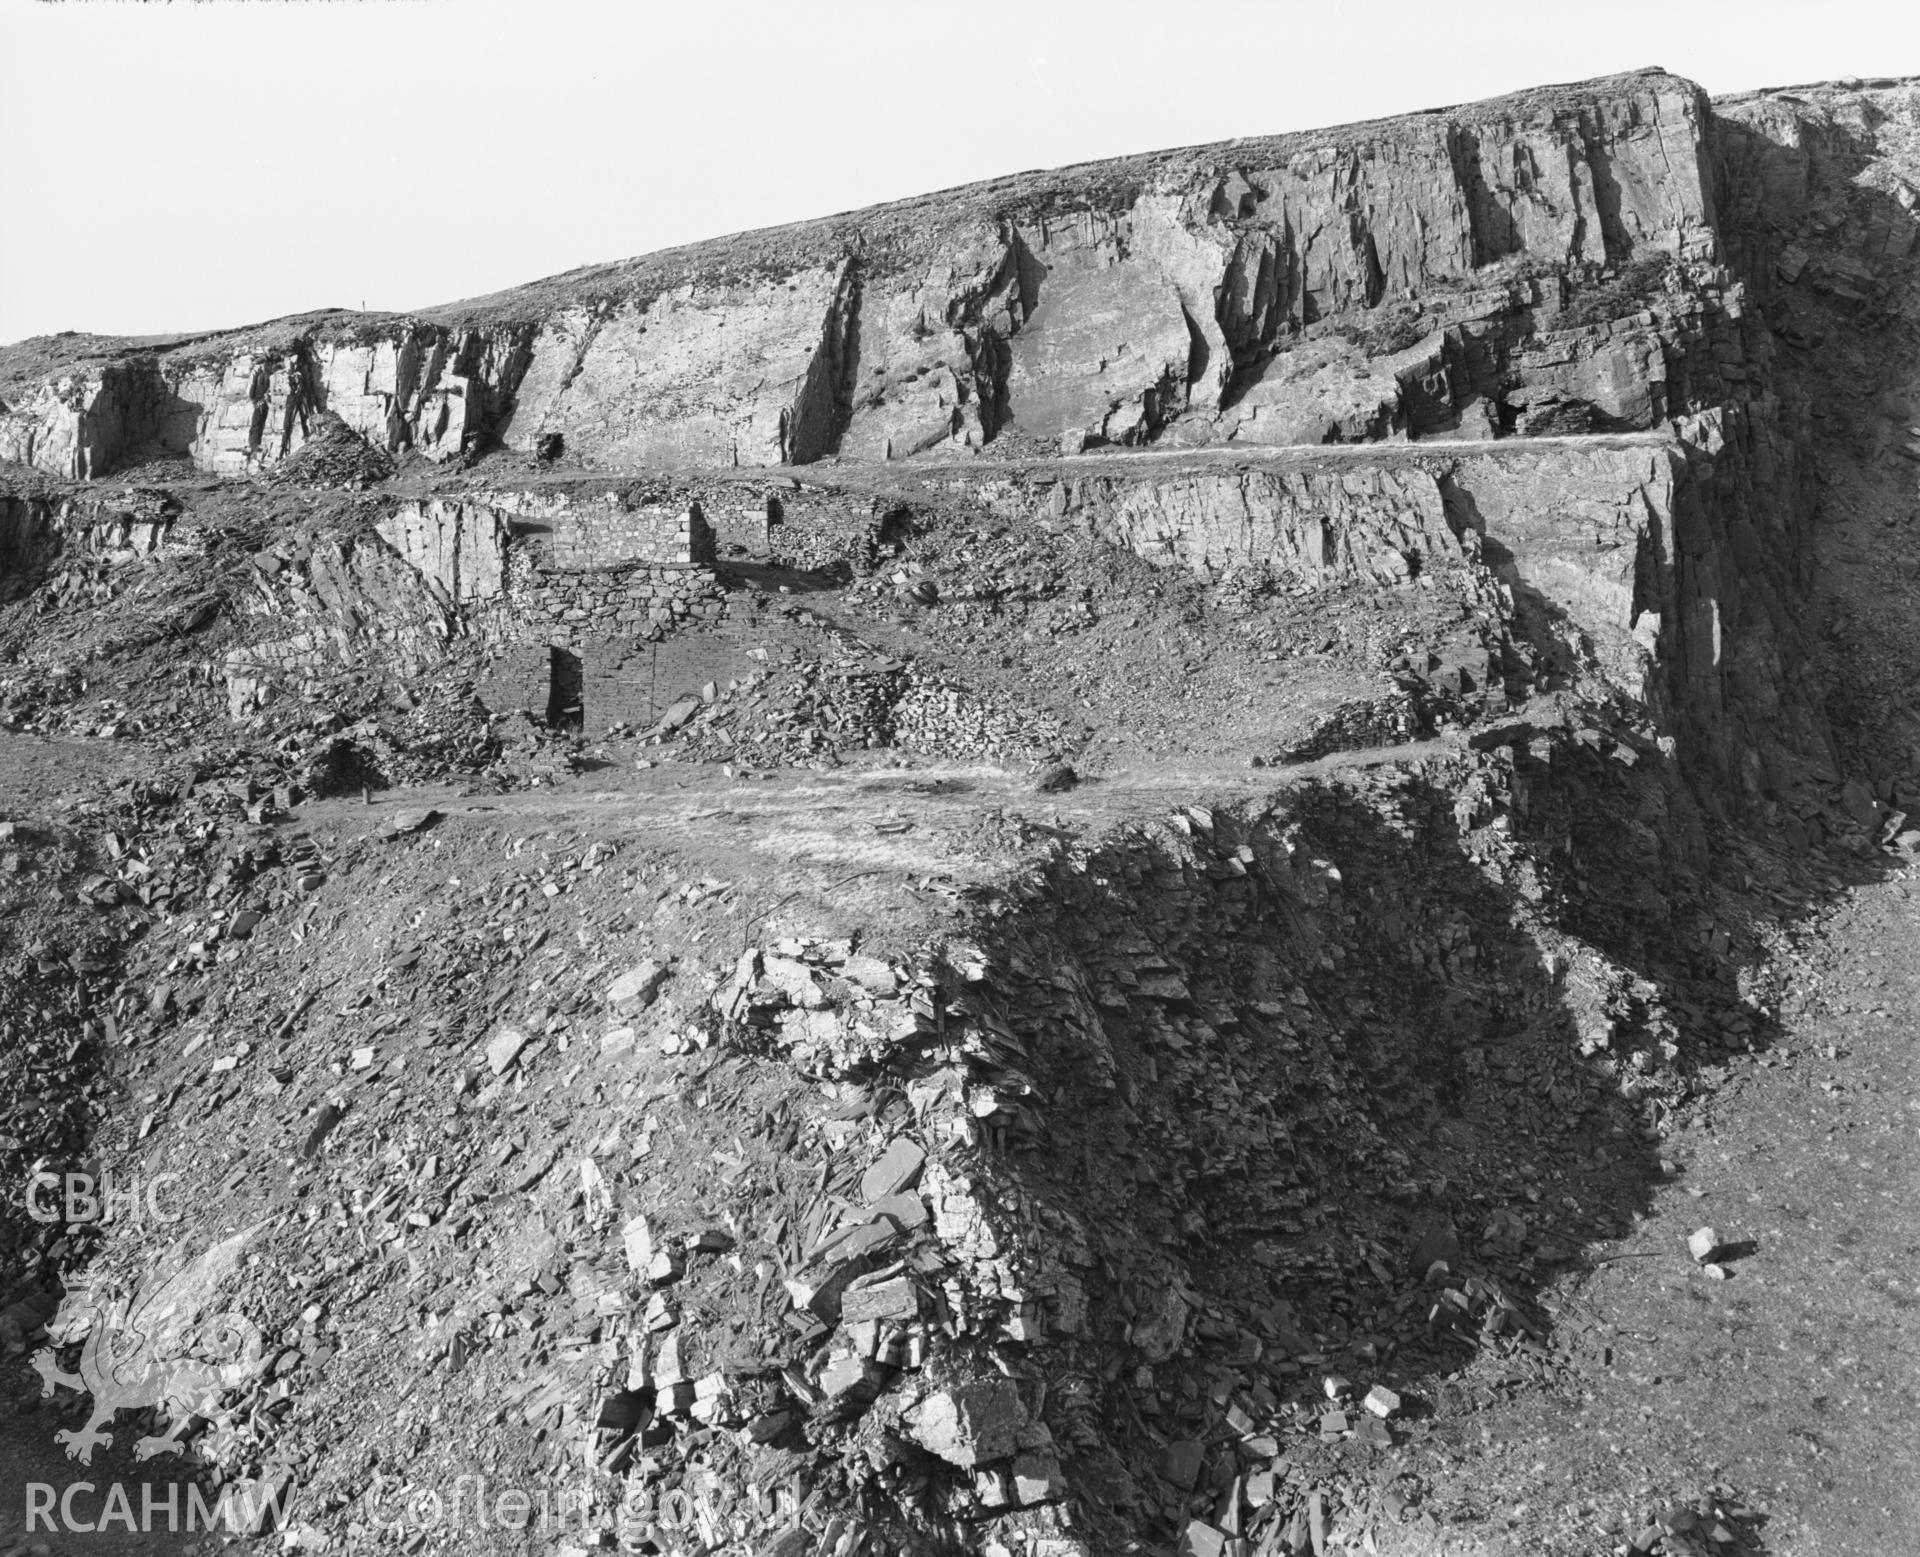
(1386, 279)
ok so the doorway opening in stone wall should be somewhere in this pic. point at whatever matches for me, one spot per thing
(565, 684)
(897, 527)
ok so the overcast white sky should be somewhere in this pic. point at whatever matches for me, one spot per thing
(189, 165)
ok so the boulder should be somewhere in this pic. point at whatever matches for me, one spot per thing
(638, 987)
(970, 1424)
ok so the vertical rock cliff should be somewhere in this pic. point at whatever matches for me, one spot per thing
(1264, 291)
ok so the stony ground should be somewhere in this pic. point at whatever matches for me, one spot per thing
(1578, 1010)
(1772, 1399)
(878, 854)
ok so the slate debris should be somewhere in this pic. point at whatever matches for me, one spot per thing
(637, 988)
(407, 819)
(853, 698)
(330, 1115)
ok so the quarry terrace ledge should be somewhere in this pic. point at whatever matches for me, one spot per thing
(901, 474)
(1225, 457)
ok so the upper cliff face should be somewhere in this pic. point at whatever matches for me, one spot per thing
(1385, 279)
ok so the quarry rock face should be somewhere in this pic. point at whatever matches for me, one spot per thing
(1405, 530)
(1547, 266)
(1167, 297)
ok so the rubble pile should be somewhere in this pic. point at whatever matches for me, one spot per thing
(1384, 721)
(804, 713)
(896, 1290)
(75, 898)
(844, 544)
(334, 455)
(815, 710)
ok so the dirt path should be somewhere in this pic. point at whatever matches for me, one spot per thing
(1225, 456)
(689, 790)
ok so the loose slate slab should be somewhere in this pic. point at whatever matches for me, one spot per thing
(898, 1168)
(906, 1210)
(637, 988)
(637, 1238)
(1381, 1401)
(504, 1048)
(1439, 1245)
(871, 974)
(893, 1299)
(1182, 1463)
(679, 712)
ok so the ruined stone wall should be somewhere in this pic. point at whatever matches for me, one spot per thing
(790, 522)
(605, 536)
(433, 573)
(562, 605)
(550, 567)
(823, 529)
(623, 680)
(518, 678)
(439, 570)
